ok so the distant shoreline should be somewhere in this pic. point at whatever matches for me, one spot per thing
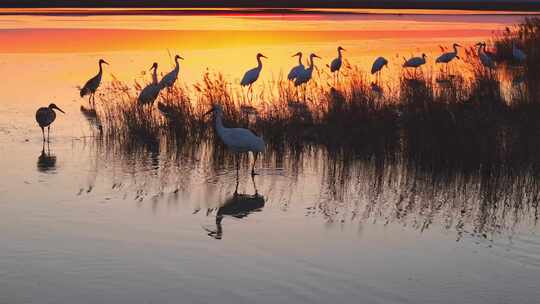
(247, 11)
(484, 5)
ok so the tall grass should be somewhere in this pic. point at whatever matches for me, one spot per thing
(463, 121)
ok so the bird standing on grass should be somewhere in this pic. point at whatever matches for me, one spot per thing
(238, 140)
(485, 59)
(335, 65)
(415, 62)
(92, 85)
(149, 94)
(45, 116)
(297, 69)
(377, 66)
(518, 54)
(168, 80)
(305, 76)
(448, 56)
(252, 75)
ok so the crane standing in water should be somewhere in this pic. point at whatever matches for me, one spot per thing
(45, 116)
(252, 75)
(149, 94)
(335, 65)
(92, 85)
(238, 140)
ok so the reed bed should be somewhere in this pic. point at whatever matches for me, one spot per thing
(455, 121)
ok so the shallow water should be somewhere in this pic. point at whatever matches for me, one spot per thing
(88, 221)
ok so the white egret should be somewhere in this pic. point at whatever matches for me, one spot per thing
(149, 94)
(377, 66)
(518, 54)
(168, 80)
(297, 69)
(415, 62)
(485, 59)
(335, 65)
(92, 85)
(45, 116)
(448, 56)
(252, 75)
(238, 140)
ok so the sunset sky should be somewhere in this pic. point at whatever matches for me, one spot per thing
(470, 4)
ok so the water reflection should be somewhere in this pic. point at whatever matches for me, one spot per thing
(338, 186)
(238, 206)
(46, 161)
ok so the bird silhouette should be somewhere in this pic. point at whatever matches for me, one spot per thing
(92, 85)
(45, 116)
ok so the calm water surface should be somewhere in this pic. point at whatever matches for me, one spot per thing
(85, 221)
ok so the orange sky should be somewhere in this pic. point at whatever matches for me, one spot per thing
(100, 40)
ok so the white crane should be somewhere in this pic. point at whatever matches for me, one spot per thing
(149, 94)
(415, 62)
(45, 116)
(518, 54)
(335, 65)
(305, 76)
(448, 56)
(485, 59)
(92, 85)
(297, 69)
(238, 140)
(377, 66)
(252, 75)
(168, 80)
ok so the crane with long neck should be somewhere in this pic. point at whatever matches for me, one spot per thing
(92, 84)
(253, 74)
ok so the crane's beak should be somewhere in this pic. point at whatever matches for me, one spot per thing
(55, 107)
(105, 62)
(264, 56)
(316, 56)
(180, 57)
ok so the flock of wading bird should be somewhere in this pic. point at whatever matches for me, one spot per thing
(240, 140)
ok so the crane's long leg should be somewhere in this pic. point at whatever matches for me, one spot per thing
(237, 158)
(49, 134)
(43, 133)
(255, 154)
(219, 227)
(254, 185)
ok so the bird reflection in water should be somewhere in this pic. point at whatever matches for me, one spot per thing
(239, 206)
(46, 161)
